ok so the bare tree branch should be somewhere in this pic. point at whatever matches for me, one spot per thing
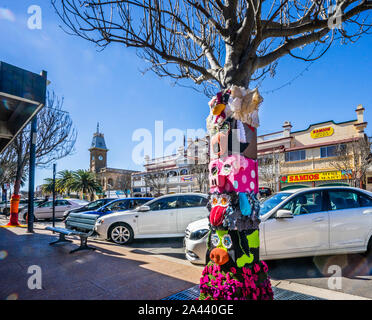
(217, 43)
(56, 138)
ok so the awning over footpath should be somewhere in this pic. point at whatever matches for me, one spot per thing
(22, 95)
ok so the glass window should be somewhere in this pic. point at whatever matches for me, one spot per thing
(164, 204)
(184, 172)
(192, 201)
(136, 203)
(304, 203)
(332, 151)
(118, 206)
(95, 204)
(272, 202)
(295, 155)
(46, 204)
(343, 199)
(365, 201)
(172, 174)
(62, 203)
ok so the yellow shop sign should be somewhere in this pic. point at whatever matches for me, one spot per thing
(321, 132)
(319, 176)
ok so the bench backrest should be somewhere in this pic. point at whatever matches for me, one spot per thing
(81, 221)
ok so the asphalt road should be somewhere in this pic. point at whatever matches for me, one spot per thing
(313, 271)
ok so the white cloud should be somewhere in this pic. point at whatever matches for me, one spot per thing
(6, 14)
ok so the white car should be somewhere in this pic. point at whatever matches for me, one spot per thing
(305, 222)
(44, 210)
(163, 217)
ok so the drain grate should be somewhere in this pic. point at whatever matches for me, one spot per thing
(279, 294)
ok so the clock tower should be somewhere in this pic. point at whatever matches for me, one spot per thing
(98, 152)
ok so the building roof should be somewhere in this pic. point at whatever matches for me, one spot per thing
(98, 140)
(22, 95)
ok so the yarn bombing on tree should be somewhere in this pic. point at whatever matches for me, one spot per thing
(234, 271)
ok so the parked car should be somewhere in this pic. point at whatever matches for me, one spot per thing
(303, 222)
(4, 207)
(119, 205)
(264, 192)
(163, 217)
(91, 206)
(23, 203)
(44, 210)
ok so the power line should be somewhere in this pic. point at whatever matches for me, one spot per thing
(290, 81)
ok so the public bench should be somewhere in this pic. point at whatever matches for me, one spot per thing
(77, 224)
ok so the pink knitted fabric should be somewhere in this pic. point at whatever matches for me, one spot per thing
(233, 173)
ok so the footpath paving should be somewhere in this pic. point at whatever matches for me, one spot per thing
(111, 272)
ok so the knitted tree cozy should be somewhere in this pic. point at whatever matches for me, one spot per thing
(234, 271)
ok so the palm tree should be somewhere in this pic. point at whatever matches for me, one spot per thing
(47, 187)
(84, 181)
(64, 181)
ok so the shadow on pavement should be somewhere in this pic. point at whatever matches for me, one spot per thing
(177, 255)
(100, 274)
(157, 243)
(352, 265)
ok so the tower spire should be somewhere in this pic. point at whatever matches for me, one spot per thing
(97, 127)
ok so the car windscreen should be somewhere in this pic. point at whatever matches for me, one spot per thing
(117, 206)
(79, 202)
(95, 204)
(272, 202)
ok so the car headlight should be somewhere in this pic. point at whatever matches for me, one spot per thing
(198, 234)
(99, 221)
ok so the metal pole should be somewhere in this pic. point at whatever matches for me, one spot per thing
(54, 193)
(31, 180)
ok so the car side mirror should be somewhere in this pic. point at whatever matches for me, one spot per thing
(143, 208)
(283, 213)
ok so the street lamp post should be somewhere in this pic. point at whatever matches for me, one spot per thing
(54, 193)
(31, 180)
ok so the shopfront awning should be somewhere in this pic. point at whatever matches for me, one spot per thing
(22, 95)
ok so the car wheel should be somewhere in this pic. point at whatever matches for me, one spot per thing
(24, 217)
(369, 248)
(121, 233)
(6, 211)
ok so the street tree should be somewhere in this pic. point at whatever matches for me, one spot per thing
(156, 181)
(64, 181)
(217, 43)
(200, 173)
(268, 169)
(354, 159)
(124, 182)
(84, 182)
(56, 138)
(7, 168)
(49, 185)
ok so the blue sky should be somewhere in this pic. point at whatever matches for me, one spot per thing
(108, 87)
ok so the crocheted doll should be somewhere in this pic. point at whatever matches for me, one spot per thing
(234, 271)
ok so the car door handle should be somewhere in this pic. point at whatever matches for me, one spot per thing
(318, 219)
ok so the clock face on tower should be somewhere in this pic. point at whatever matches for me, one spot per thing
(100, 157)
